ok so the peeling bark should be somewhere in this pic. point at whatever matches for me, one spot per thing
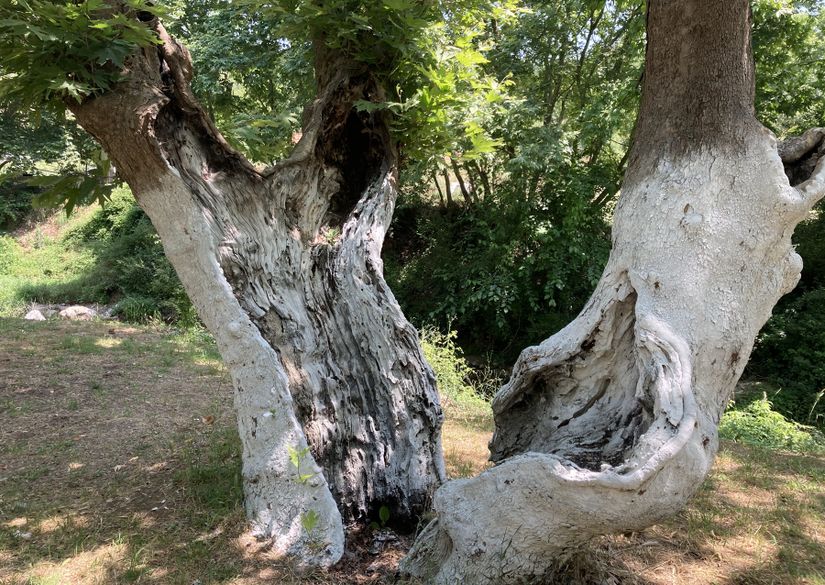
(337, 408)
(611, 424)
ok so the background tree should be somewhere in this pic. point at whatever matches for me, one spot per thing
(521, 258)
(611, 424)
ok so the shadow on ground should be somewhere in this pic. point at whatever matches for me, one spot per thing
(119, 463)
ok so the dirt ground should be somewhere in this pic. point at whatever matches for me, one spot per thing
(119, 464)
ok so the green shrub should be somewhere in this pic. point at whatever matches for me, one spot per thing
(506, 273)
(758, 424)
(790, 353)
(136, 309)
(15, 203)
(452, 372)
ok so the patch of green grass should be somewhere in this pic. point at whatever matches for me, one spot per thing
(758, 424)
(98, 390)
(80, 344)
(212, 477)
(60, 446)
(14, 407)
(45, 269)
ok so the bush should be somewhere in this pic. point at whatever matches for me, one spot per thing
(502, 273)
(452, 373)
(758, 424)
(15, 203)
(790, 353)
(136, 309)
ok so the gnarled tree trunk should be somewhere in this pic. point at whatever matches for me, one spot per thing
(611, 424)
(337, 409)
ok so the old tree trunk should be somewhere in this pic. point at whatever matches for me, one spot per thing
(337, 409)
(611, 424)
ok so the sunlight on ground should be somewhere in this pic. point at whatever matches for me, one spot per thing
(465, 447)
(60, 522)
(107, 477)
(97, 566)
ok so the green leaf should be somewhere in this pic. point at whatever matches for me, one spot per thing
(294, 456)
(384, 515)
(310, 520)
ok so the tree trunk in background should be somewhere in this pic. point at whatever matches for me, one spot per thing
(448, 190)
(467, 194)
(611, 424)
(337, 408)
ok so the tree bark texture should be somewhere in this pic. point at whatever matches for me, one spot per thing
(611, 424)
(337, 409)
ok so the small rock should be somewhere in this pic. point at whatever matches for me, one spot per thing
(23, 535)
(78, 313)
(34, 315)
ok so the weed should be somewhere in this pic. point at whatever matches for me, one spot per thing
(297, 457)
(451, 372)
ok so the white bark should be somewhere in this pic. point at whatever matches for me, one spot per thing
(298, 513)
(337, 409)
(611, 424)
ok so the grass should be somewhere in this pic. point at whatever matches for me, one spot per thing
(38, 258)
(112, 472)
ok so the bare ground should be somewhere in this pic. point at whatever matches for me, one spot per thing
(119, 464)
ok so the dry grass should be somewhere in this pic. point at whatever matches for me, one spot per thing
(119, 464)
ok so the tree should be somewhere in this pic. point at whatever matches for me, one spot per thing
(611, 424)
(337, 408)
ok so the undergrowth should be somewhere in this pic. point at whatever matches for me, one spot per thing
(461, 387)
(759, 424)
(111, 255)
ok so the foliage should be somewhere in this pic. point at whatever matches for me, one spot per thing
(452, 372)
(27, 141)
(791, 353)
(428, 57)
(52, 52)
(15, 203)
(521, 257)
(758, 424)
(504, 274)
(137, 309)
(249, 78)
(787, 46)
